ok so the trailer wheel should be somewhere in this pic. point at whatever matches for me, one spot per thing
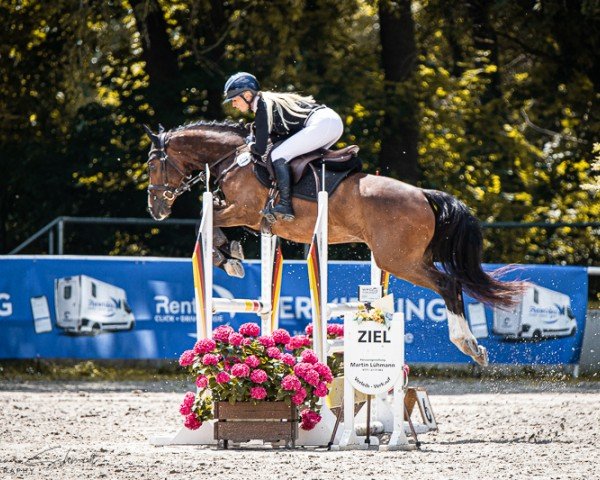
(96, 329)
(537, 336)
(573, 331)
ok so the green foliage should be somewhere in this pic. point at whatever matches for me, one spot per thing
(507, 123)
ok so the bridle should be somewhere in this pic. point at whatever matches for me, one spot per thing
(158, 152)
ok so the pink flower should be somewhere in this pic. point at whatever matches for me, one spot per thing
(299, 396)
(204, 345)
(201, 381)
(188, 403)
(222, 333)
(291, 382)
(252, 361)
(300, 369)
(240, 370)
(324, 371)
(299, 341)
(309, 329)
(250, 330)
(187, 358)
(309, 356)
(258, 393)
(321, 390)
(223, 377)
(192, 422)
(210, 359)
(236, 339)
(266, 341)
(335, 329)
(273, 352)
(288, 359)
(312, 378)
(259, 376)
(309, 419)
(281, 336)
(247, 341)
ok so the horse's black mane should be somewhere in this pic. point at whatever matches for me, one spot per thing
(239, 128)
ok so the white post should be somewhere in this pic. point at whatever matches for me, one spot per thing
(206, 232)
(320, 333)
(398, 438)
(267, 250)
(375, 272)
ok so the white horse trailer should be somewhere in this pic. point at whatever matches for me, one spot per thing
(542, 313)
(87, 305)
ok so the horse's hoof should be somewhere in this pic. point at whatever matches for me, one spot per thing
(482, 357)
(234, 268)
(236, 250)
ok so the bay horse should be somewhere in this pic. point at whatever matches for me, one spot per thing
(406, 228)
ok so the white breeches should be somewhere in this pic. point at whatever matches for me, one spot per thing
(323, 128)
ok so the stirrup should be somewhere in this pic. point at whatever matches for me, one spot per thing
(287, 215)
(268, 215)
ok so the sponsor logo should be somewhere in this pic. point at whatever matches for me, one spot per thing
(168, 310)
(6, 308)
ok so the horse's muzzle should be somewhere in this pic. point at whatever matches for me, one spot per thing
(159, 210)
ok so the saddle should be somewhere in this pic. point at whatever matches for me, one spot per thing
(339, 164)
(331, 158)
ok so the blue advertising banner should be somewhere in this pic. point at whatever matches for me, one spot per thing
(143, 308)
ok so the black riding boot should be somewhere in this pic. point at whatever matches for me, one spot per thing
(283, 210)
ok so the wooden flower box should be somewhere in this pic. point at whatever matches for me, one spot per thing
(266, 421)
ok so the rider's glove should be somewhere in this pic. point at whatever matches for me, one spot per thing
(249, 139)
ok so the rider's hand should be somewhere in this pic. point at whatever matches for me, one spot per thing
(249, 139)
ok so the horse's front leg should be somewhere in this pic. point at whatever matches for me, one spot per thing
(231, 248)
(227, 255)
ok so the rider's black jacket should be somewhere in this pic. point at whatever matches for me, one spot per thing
(279, 131)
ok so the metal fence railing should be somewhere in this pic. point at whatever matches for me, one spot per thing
(55, 230)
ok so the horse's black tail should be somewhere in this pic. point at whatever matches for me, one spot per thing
(457, 244)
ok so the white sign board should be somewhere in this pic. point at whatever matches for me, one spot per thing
(373, 354)
(41, 314)
(477, 320)
(369, 293)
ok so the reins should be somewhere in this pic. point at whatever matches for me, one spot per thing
(169, 193)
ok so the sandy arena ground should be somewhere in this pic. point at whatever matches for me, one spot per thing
(487, 429)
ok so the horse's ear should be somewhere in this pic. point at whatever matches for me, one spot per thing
(152, 135)
(161, 129)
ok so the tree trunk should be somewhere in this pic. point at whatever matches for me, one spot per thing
(452, 34)
(214, 86)
(485, 40)
(161, 61)
(398, 55)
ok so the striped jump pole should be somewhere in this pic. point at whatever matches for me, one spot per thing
(206, 305)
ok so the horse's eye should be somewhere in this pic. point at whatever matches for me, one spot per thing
(151, 167)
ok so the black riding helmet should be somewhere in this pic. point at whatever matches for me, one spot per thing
(238, 84)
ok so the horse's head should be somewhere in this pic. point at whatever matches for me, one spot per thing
(165, 174)
(175, 154)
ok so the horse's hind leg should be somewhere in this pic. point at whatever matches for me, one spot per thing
(430, 277)
(458, 328)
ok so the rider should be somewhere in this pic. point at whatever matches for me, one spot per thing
(303, 124)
